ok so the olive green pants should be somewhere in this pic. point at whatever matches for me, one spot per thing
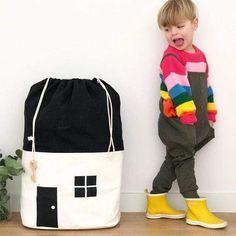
(181, 146)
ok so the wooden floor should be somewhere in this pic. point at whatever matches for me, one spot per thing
(131, 224)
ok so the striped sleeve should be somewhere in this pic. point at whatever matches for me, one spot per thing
(178, 87)
(211, 107)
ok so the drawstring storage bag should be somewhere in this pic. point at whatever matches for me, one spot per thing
(72, 155)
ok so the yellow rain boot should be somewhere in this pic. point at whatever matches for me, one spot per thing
(198, 214)
(158, 207)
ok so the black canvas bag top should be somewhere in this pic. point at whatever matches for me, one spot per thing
(73, 117)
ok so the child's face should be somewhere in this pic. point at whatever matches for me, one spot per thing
(180, 36)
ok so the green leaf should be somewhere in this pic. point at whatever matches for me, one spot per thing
(4, 178)
(1, 208)
(4, 212)
(3, 184)
(3, 170)
(3, 216)
(4, 198)
(0, 155)
(2, 162)
(3, 173)
(13, 166)
(3, 192)
(19, 153)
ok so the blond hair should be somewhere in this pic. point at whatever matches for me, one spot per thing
(174, 11)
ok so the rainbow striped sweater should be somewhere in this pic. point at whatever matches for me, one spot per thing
(175, 88)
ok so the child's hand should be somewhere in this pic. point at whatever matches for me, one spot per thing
(211, 123)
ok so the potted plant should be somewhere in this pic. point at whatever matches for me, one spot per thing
(9, 166)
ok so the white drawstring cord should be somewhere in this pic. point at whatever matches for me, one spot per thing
(36, 113)
(110, 116)
(33, 162)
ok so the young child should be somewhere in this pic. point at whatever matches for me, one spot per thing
(187, 115)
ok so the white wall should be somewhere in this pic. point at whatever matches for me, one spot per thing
(118, 41)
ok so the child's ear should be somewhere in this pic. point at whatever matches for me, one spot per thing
(195, 23)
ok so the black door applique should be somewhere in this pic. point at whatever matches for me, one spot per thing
(47, 207)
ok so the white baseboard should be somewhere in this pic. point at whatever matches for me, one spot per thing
(136, 202)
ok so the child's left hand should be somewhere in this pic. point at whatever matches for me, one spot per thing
(211, 123)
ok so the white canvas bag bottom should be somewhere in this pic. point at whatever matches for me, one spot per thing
(72, 176)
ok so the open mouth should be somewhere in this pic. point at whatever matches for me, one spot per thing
(178, 42)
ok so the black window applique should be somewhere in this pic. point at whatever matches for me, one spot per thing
(86, 186)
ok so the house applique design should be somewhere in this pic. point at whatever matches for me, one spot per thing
(73, 135)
